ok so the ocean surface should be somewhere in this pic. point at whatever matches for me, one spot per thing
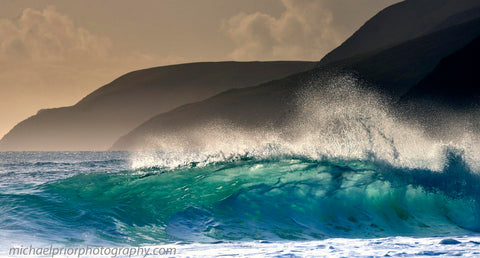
(344, 177)
(277, 205)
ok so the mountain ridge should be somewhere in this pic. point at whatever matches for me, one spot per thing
(398, 23)
(97, 120)
(270, 102)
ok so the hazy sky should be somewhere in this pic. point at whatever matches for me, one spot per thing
(54, 52)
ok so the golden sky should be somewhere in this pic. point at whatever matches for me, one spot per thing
(54, 52)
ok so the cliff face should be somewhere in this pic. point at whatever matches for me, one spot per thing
(402, 22)
(113, 110)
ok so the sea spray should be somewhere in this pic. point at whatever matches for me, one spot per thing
(344, 165)
(336, 117)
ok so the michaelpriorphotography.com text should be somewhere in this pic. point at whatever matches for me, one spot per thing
(86, 251)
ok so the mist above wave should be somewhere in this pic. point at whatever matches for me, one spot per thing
(336, 117)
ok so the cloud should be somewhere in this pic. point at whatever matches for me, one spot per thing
(50, 37)
(305, 30)
(43, 53)
(46, 60)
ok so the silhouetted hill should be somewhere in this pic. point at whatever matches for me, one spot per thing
(448, 97)
(397, 69)
(99, 119)
(393, 71)
(393, 51)
(455, 82)
(402, 22)
(261, 106)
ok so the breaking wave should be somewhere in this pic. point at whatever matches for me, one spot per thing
(345, 166)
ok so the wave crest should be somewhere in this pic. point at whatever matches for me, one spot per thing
(338, 117)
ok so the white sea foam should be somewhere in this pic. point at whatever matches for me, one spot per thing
(467, 246)
(338, 247)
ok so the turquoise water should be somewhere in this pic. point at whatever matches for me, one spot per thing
(345, 177)
(95, 197)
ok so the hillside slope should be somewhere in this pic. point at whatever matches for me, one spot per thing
(454, 82)
(402, 22)
(100, 118)
(448, 98)
(393, 71)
